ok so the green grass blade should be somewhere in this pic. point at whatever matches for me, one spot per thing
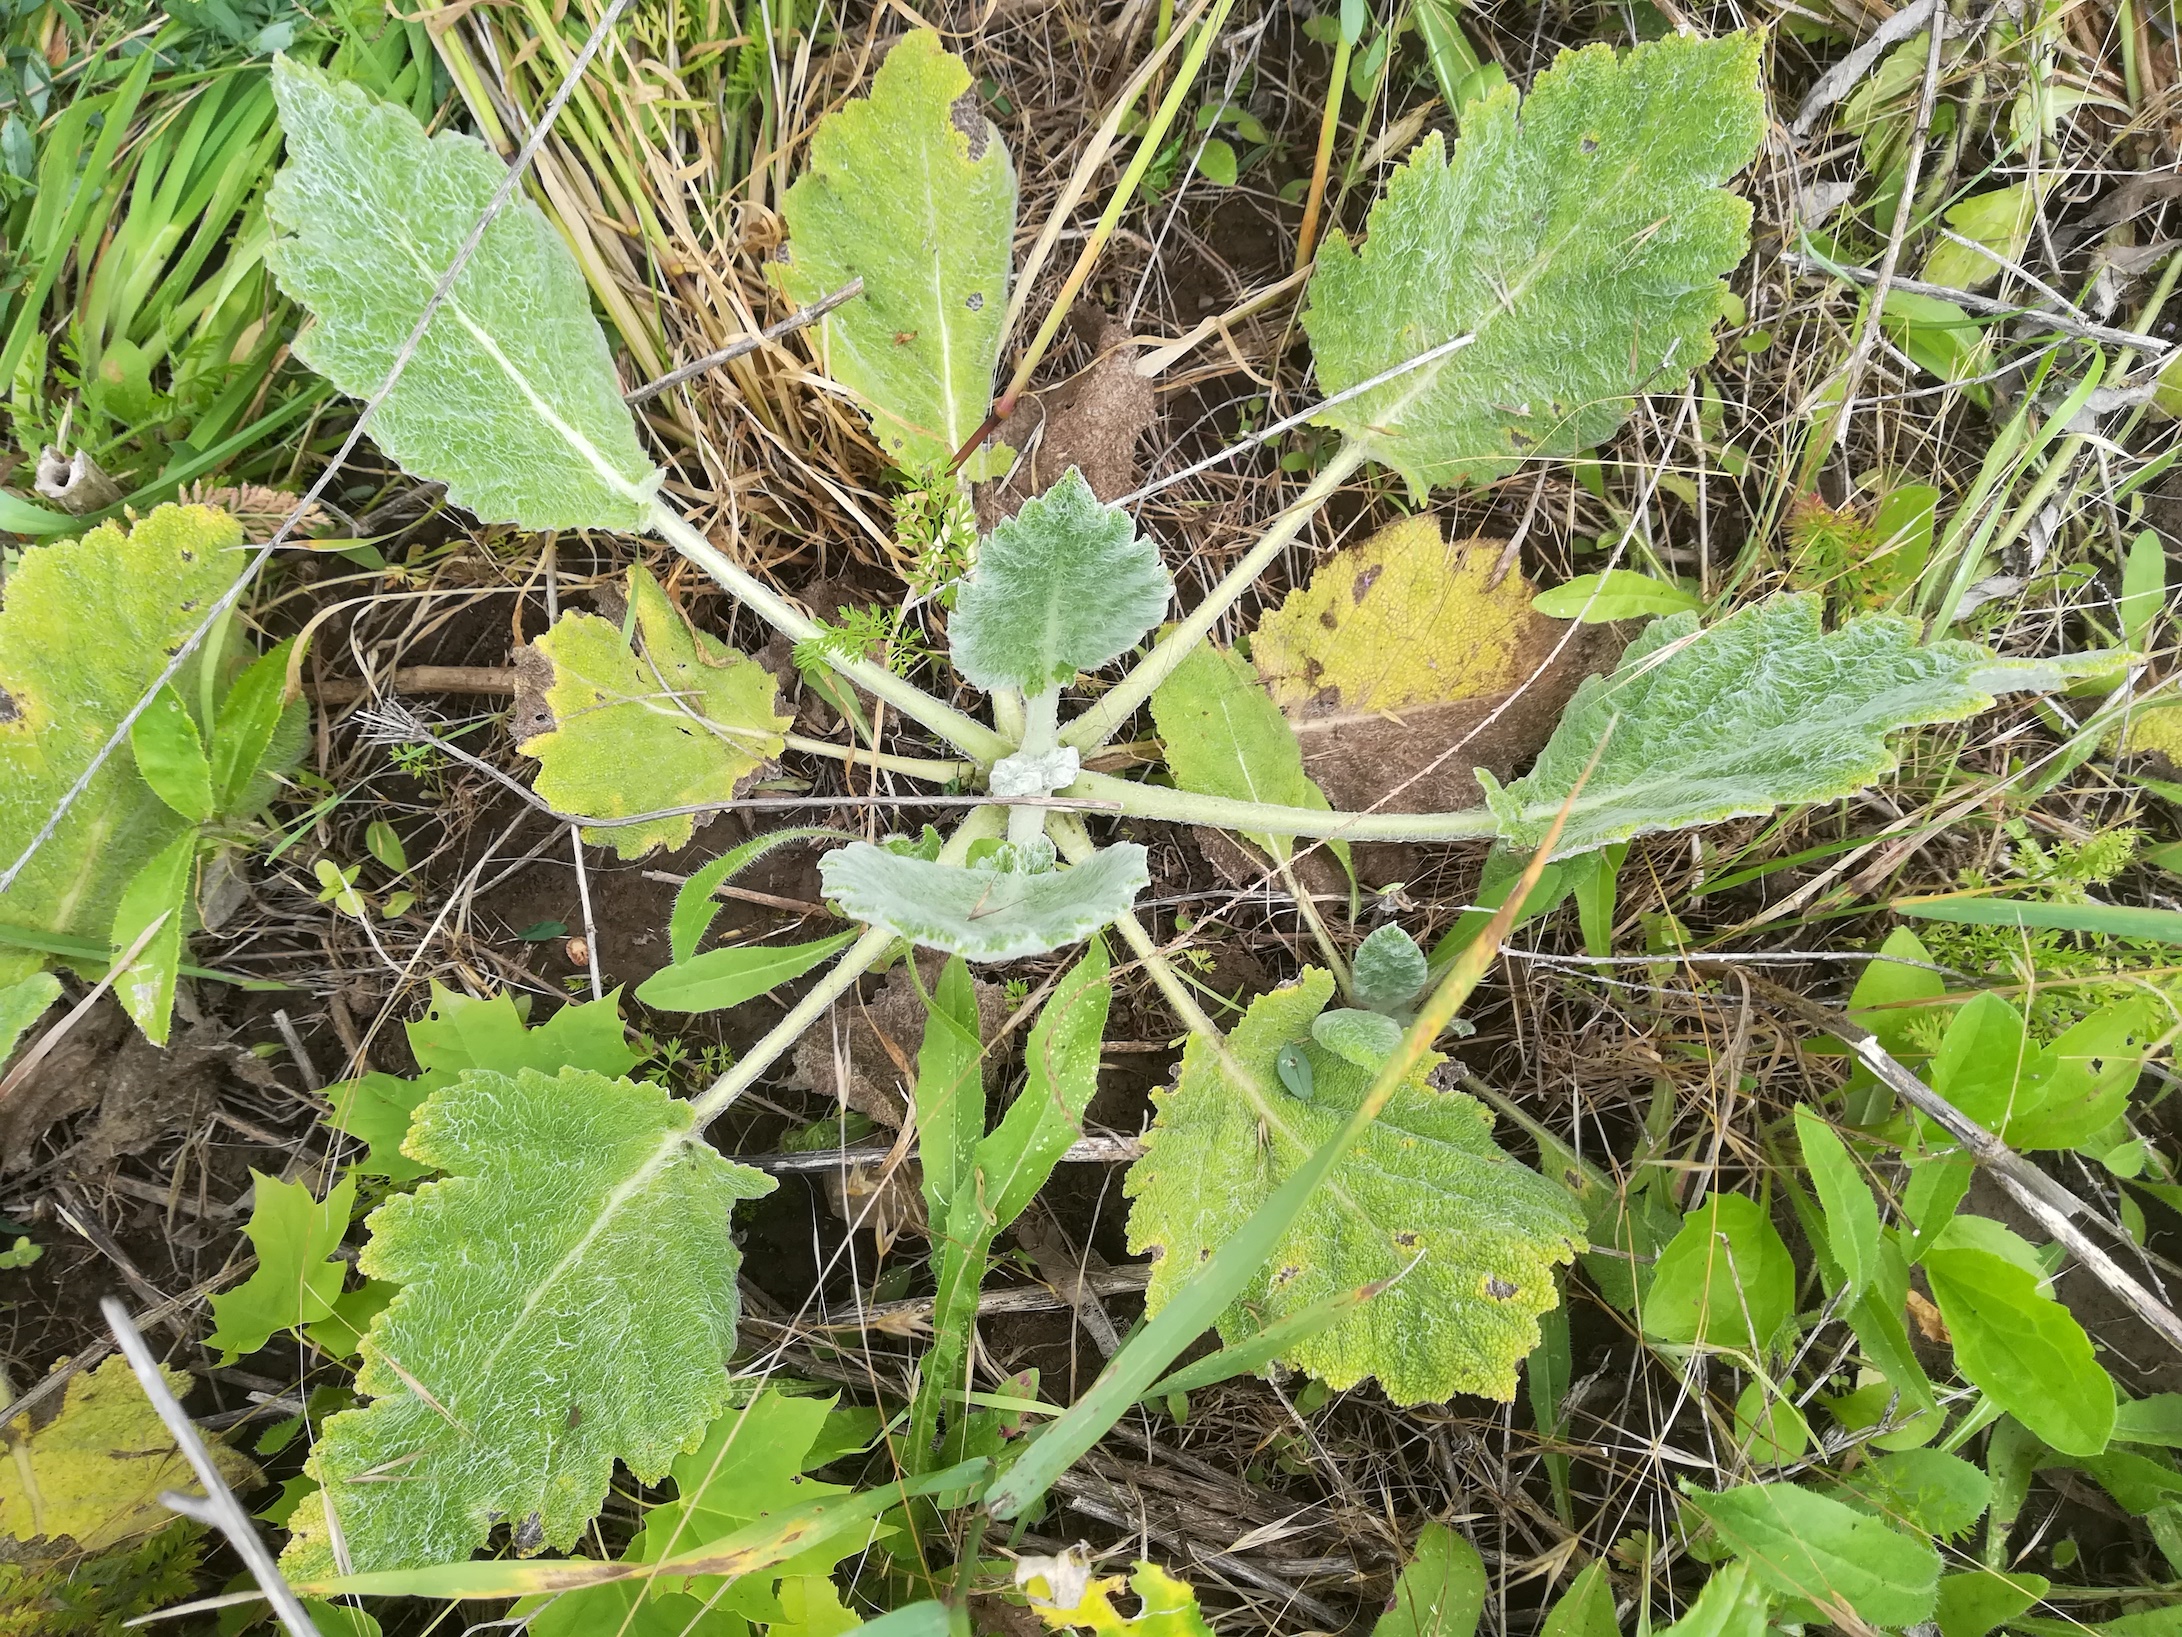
(2113, 920)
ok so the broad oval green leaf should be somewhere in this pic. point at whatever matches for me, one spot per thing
(984, 915)
(1586, 1609)
(1725, 1280)
(672, 718)
(1579, 235)
(158, 897)
(170, 754)
(1366, 1039)
(85, 628)
(720, 978)
(1617, 594)
(510, 398)
(259, 731)
(22, 1003)
(1973, 1603)
(1733, 1604)
(1441, 1591)
(910, 190)
(568, 1300)
(1223, 735)
(1764, 709)
(1852, 1215)
(1064, 585)
(1807, 1546)
(1426, 1195)
(2022, 1347)
(1926, 1490)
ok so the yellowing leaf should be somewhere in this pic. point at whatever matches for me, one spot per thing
(85, 627)
(1467, 1238)
(1401, 649)
(94, 1472)
(670, 719)
(1166, 1607)
(911, 190)
(2000, 221)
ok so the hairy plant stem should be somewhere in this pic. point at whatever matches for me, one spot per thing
(1264, 818)
(927, 768)
(1041, 718)
(859, 958)
(1111, 714)
(971, 737)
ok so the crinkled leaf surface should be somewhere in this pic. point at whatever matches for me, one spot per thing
(911, 190)
(1580, 237)
(458, 1033)
(568, 1299)
(1388, 968)
(1765, 708)
(510, 398)
(1426, 1186)
(621, 726)
(294, 1284)
(85, 627)
(96, 1469)
(1064, 585)
(1224, 736)
(984, 915)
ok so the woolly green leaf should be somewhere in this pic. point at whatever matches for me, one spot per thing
(1223, 736)
(568, 1300)
(984, 914)
(510, 398)
(457, 1034)
(1064, 585)
(1388, 968)
(21, 1004)
(1808, 1546)
(622, 725)
(1426, 1195)
(294, 1284)
(1764, 709)
(1366, 1039)
(85, 628)
(910, 190)
(1579, 237)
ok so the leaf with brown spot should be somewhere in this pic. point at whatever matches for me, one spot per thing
(1391, 663)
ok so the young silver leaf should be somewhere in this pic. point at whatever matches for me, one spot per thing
(1388, 969)
(1579, 237)
(511, 398)
(1764, 709)
(984, 915)
(1063, 586)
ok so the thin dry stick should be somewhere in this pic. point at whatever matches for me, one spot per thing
(2054, 1207)
(747, 344)
(217, 1507)
(2060, 323)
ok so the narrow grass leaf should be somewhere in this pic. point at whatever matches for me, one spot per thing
(2113, 920)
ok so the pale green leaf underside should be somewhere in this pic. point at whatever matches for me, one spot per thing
(85, 627)
(911, 190)
(1063, 586)
(1762, 710)
(1224, 736)
(671, 720)
(1426, 1185)
(568, 1300)
(511, 398)
(1581, 237)
(984, 915)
